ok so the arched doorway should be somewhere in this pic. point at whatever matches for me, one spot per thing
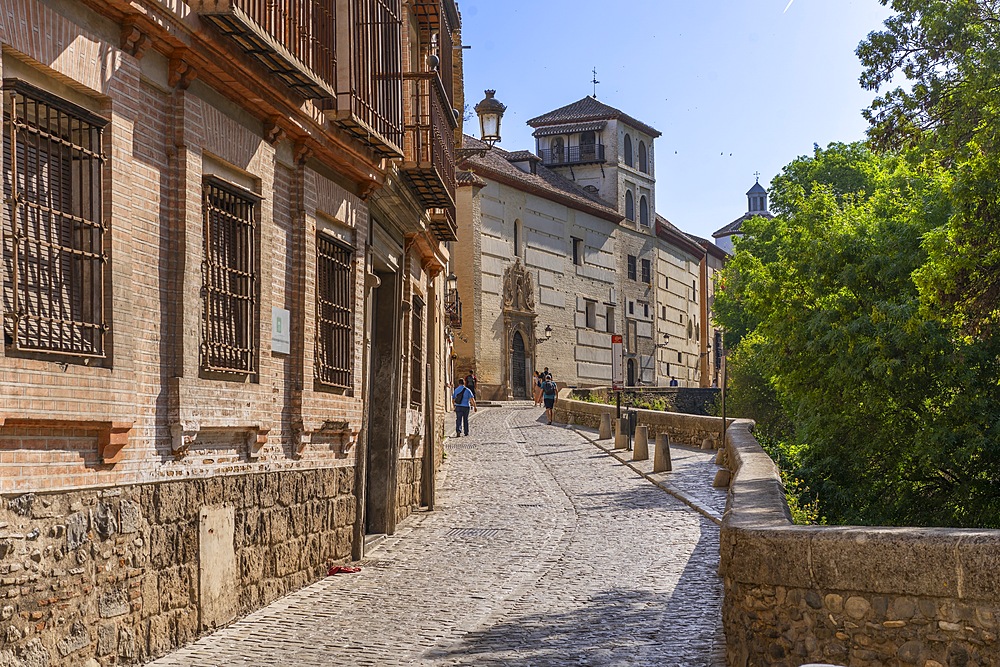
(518, 370)
(630, 373)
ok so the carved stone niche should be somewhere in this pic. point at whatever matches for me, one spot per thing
(519, 331)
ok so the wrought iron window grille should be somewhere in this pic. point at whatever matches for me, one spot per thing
(334, 299)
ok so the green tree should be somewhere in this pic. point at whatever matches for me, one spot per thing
(878, 407)
(949, 53)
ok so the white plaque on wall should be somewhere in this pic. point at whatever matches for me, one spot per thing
(281, 334)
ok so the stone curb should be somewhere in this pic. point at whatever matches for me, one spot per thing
(658, 478)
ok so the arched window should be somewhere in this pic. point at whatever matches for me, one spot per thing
(643, 211)
(628, 151)
(629, 205)
(558, 150)
(517, 238)
(588, 149)
(643, 159)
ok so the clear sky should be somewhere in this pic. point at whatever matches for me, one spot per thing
(735, 86)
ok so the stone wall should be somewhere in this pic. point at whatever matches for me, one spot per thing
(691, 430)
(121, 575)
(688, 400)
(849, 595)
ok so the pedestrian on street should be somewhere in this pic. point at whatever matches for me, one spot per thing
(463, 398)
(471, 381)
(549, 391)
(536, 387)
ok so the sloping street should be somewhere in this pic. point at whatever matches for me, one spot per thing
(543, 550)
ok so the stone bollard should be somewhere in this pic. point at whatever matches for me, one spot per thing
(720, 457)
(707, 443)
(640, 450)
(621, 437)
(722, 479)
(661, 455)
(605, 433)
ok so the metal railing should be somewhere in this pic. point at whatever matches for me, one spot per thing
(572, 155)
(430, 139)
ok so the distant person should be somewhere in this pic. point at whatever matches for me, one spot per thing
(673, 382)
(536, 388)
(549, 391)
(471, 381)
(715, 384)
(463, 398)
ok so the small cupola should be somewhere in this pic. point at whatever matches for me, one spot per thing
(757, 198)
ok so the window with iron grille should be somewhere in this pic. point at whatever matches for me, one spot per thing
(230, 276)
(631, 267)
(334, 298)
(54, 238)
(417, 352)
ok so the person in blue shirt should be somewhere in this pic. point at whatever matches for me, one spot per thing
(549, 391)
(463, 398)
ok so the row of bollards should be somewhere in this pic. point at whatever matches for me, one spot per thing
(640, 451)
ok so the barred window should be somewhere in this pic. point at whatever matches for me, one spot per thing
(417, 352)
(334, 298)
(53, 251)
(230, 276)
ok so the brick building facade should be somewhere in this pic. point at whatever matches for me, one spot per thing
(224, 241)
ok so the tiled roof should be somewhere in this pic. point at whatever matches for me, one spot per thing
(496, 165)
(468, 178)
(589, 109)
(757, 187)
(523, 156)
(570, 128)
(734, 226)
(668, 231)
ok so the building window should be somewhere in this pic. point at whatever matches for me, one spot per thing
(334, 297)
(663, 313)
(588, 146)
(628, 151)
(577, 250)
(416, 351)
(680, 357)
(230, 278)
(643, 211)
(631, 267)
(629, 206)
(591, 310)
(647, 271)
(645, 310)
(694, 290)
(54, 261)
(643, 160)
(558, 150)
(517, 238)
(610, 320)
(631, 307)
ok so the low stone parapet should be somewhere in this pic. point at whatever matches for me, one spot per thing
(692, 430)
(845, 594)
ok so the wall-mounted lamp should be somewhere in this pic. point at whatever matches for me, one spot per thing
(665, 343)
(490, 111)
(547, 333)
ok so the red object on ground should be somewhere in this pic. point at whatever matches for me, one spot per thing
(342, 569)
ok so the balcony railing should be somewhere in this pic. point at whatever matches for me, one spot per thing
(453, 309)
(294, 39)
(443, 224)
(585, 154)
(429, 142)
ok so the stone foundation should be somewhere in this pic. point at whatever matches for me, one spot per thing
(126, 574)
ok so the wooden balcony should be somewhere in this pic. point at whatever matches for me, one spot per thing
(443, 224)
(429, 141)
(294, 39)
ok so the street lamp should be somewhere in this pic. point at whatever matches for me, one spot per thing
(490, 111)
(548, 334)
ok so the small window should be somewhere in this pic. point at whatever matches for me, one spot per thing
(517, 238)
(629, 206)
(643, 161)
(631, 267)
(591, 310)
(610, 320)
(631, 307)
(54, 238)
(680, 358)
(694, 290)
(334, 289)
(628, 151)
(645, 310)
(416, 351)
(577, 251)
(643, 211)
(647, 271)
(230, 278)
(663, 313)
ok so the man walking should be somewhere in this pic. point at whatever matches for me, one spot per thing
(463, 398)
(549, 391)
(471, 380)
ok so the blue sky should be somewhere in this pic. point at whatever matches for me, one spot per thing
(735, 86)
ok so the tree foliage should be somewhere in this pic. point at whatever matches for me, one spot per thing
(869, 398)
(948, 51)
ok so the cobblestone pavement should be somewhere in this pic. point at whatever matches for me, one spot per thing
(543, 551)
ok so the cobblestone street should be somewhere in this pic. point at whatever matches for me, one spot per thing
(543, 551)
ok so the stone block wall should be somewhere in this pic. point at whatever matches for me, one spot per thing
(849, 595)
(688, 400)
(691, 430)
(115, 575)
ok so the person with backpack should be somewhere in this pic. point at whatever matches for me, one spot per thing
(471, 381)
(549, 391)
(463, 399)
